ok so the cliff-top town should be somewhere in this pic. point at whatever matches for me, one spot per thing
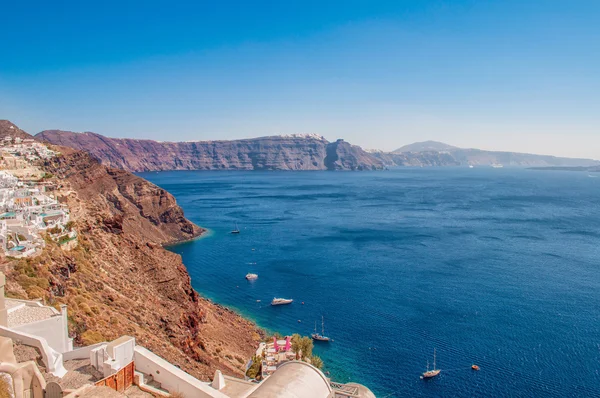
(28, 202)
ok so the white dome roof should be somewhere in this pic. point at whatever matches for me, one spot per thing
(294, 379)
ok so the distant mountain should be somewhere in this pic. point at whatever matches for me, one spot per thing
(425, 146)
(289, 152)
(433, 153)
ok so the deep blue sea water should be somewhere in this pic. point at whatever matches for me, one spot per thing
(500, 268)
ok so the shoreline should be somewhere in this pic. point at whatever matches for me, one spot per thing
(204, 233)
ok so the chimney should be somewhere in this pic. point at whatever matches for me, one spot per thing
(219, 381)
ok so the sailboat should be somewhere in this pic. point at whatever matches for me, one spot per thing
(320, 336)
(431, 373)
(236, 230)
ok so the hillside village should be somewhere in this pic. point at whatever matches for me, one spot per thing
(28, 204)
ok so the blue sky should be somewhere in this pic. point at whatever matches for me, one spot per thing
(510, 75)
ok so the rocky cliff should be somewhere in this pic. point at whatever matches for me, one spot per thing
(416, 159)
(294, 152)
(120, 280)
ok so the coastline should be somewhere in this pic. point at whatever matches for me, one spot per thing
(202, 234)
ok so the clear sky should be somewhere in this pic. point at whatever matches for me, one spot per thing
(510, 75)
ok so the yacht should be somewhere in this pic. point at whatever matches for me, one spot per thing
(431, 373)
(497, 165)
(236, 230)
(281, 301)
(320, 336)
(251, 277)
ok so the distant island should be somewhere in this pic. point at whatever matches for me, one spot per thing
(286, 152)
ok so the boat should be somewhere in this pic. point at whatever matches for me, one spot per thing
(497, 165)
(320, 336)
(471, 166)
(236, 230)
(431, 373)
(251, 277)
(474, 367)
(281, 301)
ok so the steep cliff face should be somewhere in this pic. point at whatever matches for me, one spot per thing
(418, 159)
(295, 152)
(340, 155)
(120, 280)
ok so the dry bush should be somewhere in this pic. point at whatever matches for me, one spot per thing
(4, 388)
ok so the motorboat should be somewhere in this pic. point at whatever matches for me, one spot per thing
(281, 301)
(251, 277)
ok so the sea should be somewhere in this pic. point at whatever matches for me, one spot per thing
(494, 267)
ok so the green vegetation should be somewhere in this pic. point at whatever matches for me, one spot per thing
(255, 369)
(303, 345)
(316, 361)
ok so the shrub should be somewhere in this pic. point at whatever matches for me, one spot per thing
(316, 362)
(34, 292)
(302, 344)
(86, 308)
(4, 388)
(90, 337)
(254, 369)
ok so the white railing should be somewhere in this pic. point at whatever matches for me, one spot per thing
(170, 377)
(346, 390)
(81, 352)
(52, 359)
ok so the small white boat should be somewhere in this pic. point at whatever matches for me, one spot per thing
(251, 277)
(236, 230)
(471, 166)
(281, 301)
(497, 165)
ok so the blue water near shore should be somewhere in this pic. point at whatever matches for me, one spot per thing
(500, 268)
